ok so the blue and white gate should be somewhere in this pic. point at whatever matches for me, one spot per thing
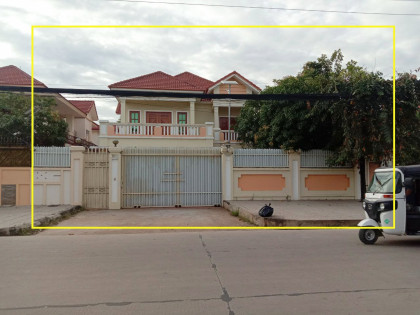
(167, 177)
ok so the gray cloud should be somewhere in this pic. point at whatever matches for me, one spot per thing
(98, 57)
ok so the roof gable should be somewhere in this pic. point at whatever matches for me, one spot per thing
(12, 75)
(239, 77)
(86, 107)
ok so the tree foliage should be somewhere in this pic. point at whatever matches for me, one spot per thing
(357, 127)
(15, 119)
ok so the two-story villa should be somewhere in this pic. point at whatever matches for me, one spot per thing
(174, 121)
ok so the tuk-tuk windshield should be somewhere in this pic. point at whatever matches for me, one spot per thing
(382, 183)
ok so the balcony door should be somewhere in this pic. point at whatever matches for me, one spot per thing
(158, 117)
(224, 123)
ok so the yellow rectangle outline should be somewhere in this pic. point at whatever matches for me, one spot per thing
(207, 227)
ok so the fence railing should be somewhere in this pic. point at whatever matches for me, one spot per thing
(260, 158)
(317, 158)
(52, 156)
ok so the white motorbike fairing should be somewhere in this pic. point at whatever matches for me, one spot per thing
(368, 222)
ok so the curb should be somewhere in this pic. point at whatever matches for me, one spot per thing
(279, 222)
(26, 228)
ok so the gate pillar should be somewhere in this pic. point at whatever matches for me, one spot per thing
(294, 166)
(77, 175)
(227, 172)
(114, 178)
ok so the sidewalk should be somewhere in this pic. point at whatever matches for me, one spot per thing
(308, 213)
(17, 220)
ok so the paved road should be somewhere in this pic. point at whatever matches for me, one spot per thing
(223, 272)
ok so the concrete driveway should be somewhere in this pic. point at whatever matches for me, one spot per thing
(146, 217)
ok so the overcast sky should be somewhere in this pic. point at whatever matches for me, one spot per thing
(95, 58)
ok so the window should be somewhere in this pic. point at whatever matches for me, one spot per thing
(159, 117)
(182, 118)
(135, 117)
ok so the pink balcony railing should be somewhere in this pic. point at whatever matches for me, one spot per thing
(157, 130)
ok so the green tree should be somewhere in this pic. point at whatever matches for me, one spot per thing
(295, 124)
(357, 127)
(15, 119)
(407, 117)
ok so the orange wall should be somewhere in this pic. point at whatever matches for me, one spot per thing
(21, 177)
(261, 182)
(327, 182)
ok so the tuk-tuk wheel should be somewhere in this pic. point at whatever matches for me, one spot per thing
(368, 236)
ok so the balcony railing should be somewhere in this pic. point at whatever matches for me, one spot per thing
(73, 140)
(156, 130)
(226, 135)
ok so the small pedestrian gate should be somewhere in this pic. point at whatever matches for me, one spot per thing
(167, 177)
(96, 178)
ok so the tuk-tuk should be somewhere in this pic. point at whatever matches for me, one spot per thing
(378, 203)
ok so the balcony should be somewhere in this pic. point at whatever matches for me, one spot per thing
(129, 134)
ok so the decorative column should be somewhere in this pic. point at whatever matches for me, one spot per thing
(216, 116)
(123, 113)
(114, 178)
(192, 112)
(227, 172)
(294, 167)
(77, 175)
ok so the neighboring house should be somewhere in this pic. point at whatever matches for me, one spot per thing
(86, 128)
(13, 76)
(173, 121)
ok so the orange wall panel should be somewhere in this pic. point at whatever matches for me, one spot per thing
(24, 197)
(327, 182)
(261, 182)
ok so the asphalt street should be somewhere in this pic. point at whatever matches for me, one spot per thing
(214, 272)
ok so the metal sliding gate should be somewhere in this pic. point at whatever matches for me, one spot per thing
(167, 177)
(96, 178)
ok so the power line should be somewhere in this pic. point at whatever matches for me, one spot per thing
(267, 8)
(125, 93)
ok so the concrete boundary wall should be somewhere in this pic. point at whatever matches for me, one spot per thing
(15, 186)
(295, 182)
(52, 186)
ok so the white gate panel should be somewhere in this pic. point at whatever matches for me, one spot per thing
(96, 178)
(167, 177)
(201, 182)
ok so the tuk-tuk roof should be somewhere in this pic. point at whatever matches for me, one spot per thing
(410, 170)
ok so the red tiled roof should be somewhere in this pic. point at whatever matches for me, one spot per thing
(95, 126)
(12, 75)
(159, 80)
(195, 80)
(239, 75)
(84, 106)
(155, 81)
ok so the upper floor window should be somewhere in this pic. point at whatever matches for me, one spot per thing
(135, 117)
(182, 118)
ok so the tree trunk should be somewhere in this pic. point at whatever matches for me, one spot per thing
(362, 172)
